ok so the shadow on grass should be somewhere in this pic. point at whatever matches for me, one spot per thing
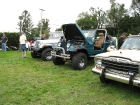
(122, 87)
(67, 64)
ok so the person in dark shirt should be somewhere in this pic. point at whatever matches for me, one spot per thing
(121, 39)
(4, 40)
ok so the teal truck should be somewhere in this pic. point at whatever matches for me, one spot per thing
(78, 46)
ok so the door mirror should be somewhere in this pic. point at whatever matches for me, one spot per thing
(112, 47)
(93, 39)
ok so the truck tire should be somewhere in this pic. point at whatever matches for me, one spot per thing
(46, 54)
(58, 61)
(33, 55)
(103, 79)
(90, 58)
(79, 61)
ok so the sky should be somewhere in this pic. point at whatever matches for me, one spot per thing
(57, 11)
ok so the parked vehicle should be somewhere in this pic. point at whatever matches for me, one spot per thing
(13, 48)
(42, 48)
(122, 65)
(9, 48)
(77, 46)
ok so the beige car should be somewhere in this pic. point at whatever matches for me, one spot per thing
(122, 65)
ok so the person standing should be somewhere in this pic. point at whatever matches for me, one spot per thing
(43, 37)
(4, 41)
(121, 39)
(22, 41)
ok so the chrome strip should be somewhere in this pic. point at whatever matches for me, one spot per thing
(96, 71)
(121, 79)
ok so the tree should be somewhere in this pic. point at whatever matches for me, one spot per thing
(45, 27)
(27, 24)
(59, 29)
(135, 7)
(115, 14)
(100, 16)
(130, 25)
(95, 19)
(35, 32)
(86, 21)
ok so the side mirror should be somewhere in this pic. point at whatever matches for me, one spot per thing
(93, 39)
(112, 47)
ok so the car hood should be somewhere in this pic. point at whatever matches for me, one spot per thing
(50, 41)
(132, 55)
(72, 31)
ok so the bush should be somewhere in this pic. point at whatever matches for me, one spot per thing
(13, 38)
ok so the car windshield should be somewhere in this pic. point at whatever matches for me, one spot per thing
(113, 41)
(56, 34)
(89, 33)
(131, 43)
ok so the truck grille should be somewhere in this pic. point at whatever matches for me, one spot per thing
(37, 44)
(120, 65)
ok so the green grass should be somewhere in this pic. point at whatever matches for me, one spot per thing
(28, 81)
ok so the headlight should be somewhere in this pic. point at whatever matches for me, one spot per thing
(68, 45)
(59, 44)
(98, 61)
(39, 42)
(54, 45)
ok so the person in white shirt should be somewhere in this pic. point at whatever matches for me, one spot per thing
(22, 41)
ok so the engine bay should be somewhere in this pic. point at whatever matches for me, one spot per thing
(77, 42)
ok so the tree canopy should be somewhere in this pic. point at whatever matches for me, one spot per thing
(116, 20)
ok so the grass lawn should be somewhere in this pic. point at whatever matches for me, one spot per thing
(28, 81)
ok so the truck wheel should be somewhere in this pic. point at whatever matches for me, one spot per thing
(90, 58)
(103, 79)
(58, 61)
(33, 55)
(46, 54)
(79, 61)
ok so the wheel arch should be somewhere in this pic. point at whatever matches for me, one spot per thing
(47, 47)
(82, 50)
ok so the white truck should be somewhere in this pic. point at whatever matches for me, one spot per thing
(42, 48)
(122, 65)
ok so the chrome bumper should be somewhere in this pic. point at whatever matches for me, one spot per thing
(121, 79)
(62, 55)
(117, 77)
(96, 71)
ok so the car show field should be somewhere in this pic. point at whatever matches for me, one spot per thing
(27, 81)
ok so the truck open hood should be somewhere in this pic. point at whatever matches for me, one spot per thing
(133, 55)
(72, 31)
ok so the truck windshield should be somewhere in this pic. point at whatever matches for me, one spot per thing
(89, 33)
(56, 34)
(131, 43)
